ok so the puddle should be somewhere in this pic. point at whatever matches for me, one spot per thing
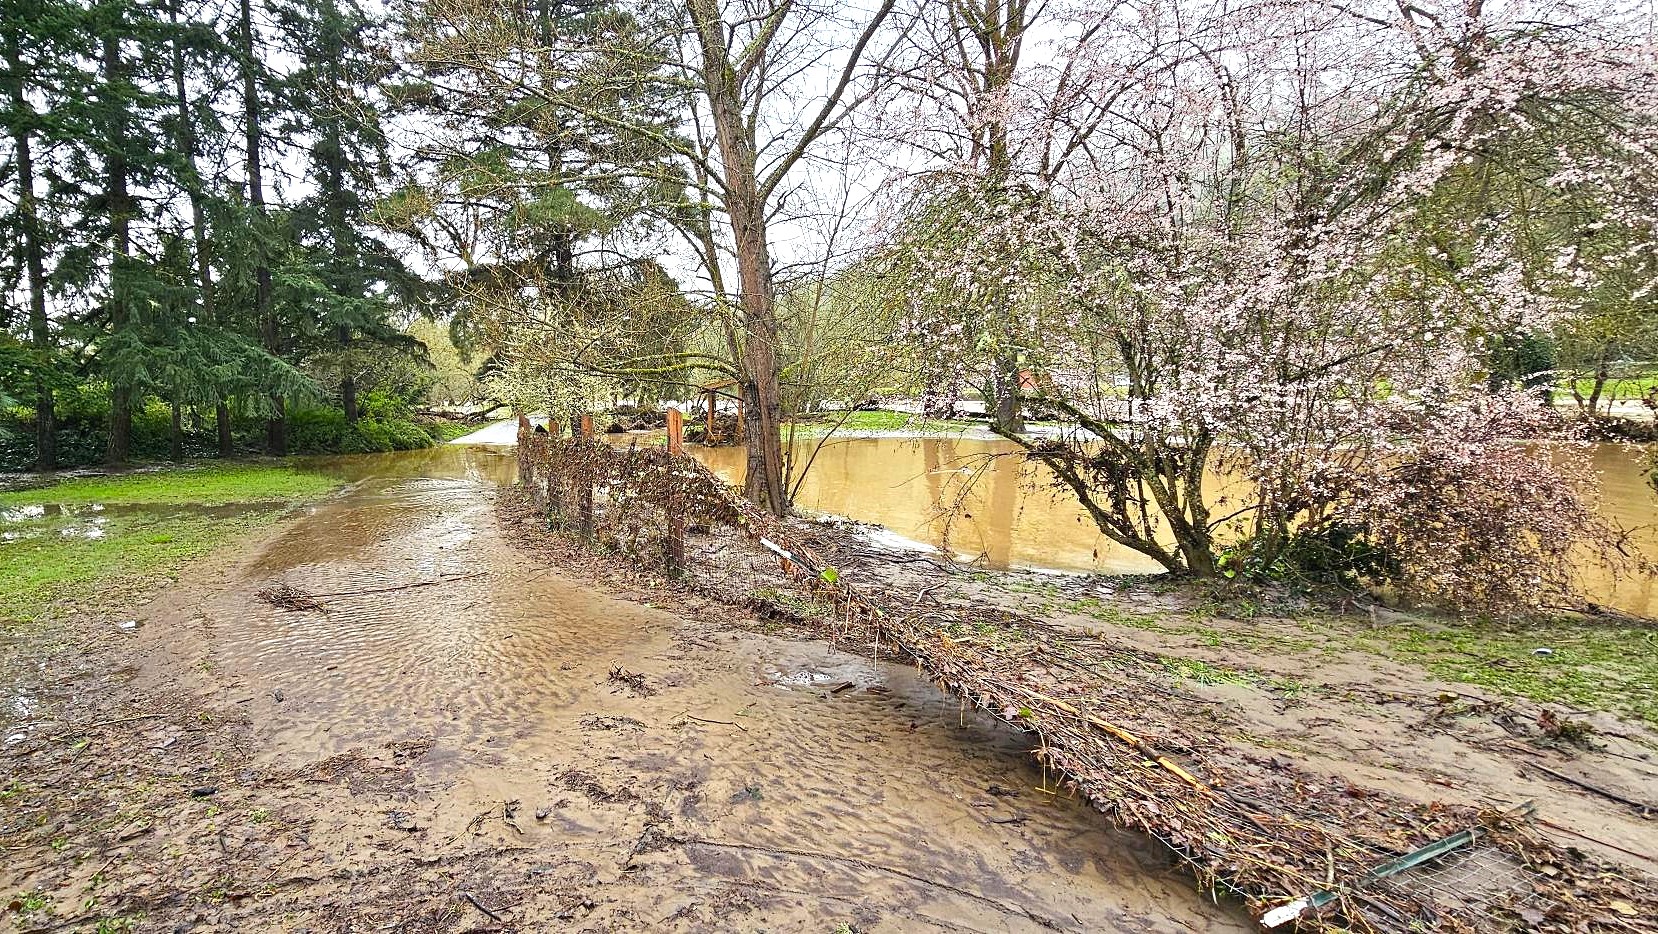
(887, 795)
(835, 679)
(24, 513)
(92, 520)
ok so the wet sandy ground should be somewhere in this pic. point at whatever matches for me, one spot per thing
(502, 747)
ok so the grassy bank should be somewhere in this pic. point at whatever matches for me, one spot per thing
(443, 432)
(1586, 664)
(88, 538)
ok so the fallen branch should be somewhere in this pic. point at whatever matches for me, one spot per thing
(1648, 857)
(1641, 806)
(441, 580)
(1127, 737)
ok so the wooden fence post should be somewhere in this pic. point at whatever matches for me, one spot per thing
(584, 483)
(675, 545)
(526, 473)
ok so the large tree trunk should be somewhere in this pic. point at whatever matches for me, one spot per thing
(762, 394)
(198, 220)
(276, 426)
(175, 433)
(270, 332)
(221, 418)
(348, 398)
(120, 424)
(763, 423)
(1602, 374)
(1006, 414)
(40, 327)
(998, 31)
(121, 390)
(333, 181)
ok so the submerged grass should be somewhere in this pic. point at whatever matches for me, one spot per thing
(214, 485)
(55, 557)
(1576, 663)
(446, 431)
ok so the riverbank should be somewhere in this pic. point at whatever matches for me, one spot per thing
(976, 497)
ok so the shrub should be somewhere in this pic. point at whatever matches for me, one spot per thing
(1341, 552)
(319, 430)
(368, 436)
(383, 406)
(1467, 518)
(407, 436)
(325, 430)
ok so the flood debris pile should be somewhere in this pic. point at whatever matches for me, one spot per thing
(288, 597)
(1303, 850)
(623, 497)
(1293, 844)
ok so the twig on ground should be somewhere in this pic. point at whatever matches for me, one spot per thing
(480, 906)
(720, 722)
(441, 580)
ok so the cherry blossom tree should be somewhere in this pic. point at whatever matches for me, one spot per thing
(1282, 254)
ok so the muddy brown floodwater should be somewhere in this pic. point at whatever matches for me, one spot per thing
(739, 782)
(1011, 519)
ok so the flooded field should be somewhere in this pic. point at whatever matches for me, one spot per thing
(1010, 518)
(688, 761)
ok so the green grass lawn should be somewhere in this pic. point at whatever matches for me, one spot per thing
(887, 421)
(446, 431)
(1633, 388)
(71, 542)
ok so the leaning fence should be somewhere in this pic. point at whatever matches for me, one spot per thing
(1297, 847)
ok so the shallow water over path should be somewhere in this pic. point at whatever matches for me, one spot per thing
(732, 774)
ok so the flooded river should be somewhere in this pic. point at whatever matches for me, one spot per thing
(1008, 518)
(880, 806)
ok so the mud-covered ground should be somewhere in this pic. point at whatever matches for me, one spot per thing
(438, 717)
(451, 734)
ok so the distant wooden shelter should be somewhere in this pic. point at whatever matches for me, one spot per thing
(710, 398)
